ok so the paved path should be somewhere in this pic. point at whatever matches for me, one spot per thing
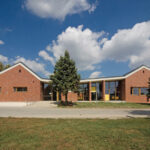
(46, 112)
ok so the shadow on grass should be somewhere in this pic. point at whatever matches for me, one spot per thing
(144, 104)
(66, 104)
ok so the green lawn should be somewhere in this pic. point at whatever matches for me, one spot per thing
(108, 105)
(74, 134)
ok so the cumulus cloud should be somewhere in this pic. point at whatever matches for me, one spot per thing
(3, 59)
(34, 65)
(131, 45)
(82, 44)
(46, 56)
(58, 9)
(1, 42)
(95, 74)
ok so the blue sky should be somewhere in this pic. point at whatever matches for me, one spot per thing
(104, 37)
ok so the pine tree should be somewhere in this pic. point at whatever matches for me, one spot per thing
(65, 77)
(148, 94)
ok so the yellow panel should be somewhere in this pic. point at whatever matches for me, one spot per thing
(93, 89)
(107, 97)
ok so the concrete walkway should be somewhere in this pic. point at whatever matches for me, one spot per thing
(46, 112)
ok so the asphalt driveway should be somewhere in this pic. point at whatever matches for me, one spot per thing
(46, 112)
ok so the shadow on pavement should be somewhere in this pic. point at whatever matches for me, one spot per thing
(140, 113)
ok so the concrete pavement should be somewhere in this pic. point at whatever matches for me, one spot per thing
(46, 112)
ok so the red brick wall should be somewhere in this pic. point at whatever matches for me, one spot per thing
(14, 78)
(71, 97)
(138, 79)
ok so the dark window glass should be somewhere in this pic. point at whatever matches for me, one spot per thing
(20, 89)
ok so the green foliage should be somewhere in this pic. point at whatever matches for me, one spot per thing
(3, 67)
(65, 77)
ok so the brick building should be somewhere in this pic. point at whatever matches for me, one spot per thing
(19, 83)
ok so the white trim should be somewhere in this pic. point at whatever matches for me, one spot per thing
(115, 78)
(21, 64)
(103, 79)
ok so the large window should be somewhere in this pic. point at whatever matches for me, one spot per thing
(96, 91)
(20, 89)
(112, 88)
(83, 91)
(138, 91)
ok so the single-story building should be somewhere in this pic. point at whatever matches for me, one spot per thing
(20, 84)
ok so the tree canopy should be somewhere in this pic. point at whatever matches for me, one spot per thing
(3, 67)
(65, 77)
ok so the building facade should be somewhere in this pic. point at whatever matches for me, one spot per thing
(19, 83)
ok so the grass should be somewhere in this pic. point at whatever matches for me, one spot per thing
(74, 134)
(108, 105)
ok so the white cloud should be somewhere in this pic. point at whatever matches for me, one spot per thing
(58, 9)
(34, 65)
(1, 42)
(95, 74)
(83, 46)
(46, 56)
(131, 45)
(3, 59)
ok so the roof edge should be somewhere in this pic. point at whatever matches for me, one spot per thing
(28, 69)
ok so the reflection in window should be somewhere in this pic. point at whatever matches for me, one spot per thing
(144, 91)
(113, 89)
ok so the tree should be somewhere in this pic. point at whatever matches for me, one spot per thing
(148, 93)
(65, 77)
(3, 67)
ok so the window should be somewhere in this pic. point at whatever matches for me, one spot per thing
(139, 91)
(20, 89)
(144, 91)
(0, 89)
(134, 91)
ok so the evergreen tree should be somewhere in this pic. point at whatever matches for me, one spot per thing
(148, 94)
(65, 77)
